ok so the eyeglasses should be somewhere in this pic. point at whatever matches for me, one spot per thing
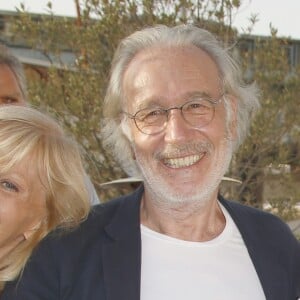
(197, 113)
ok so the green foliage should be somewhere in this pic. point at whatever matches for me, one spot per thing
(75, 92)
(274, 139)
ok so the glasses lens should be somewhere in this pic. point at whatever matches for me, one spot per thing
(150, 121)
(198, 113)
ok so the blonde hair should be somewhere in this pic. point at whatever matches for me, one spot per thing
(25, 131)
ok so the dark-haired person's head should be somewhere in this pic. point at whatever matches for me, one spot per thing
(12, 80)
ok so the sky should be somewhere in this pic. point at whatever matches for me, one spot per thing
(283, 15)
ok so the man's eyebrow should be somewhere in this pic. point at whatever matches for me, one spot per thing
(149, 102)
(159, 102)
(197, 94)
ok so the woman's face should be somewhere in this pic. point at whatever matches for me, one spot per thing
(22, 203)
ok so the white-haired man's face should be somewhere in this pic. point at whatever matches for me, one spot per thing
(183, 150)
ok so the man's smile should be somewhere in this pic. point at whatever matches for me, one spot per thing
(181, 162)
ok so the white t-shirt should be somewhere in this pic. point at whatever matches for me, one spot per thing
(219, 269)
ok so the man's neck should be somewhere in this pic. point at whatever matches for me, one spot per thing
(188, 221)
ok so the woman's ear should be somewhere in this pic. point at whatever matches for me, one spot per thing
(32, 229)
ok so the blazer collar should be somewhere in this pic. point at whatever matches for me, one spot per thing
(122, 250)
(265, 256)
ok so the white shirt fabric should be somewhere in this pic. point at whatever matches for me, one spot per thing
(220, 269)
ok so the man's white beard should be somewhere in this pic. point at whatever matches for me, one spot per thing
(166, 195)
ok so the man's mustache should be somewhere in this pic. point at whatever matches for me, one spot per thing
(180, 150)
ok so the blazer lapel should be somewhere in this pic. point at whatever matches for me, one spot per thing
(266, 257)
(122, 251)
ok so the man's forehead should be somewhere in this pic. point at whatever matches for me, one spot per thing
(167, 52)
(188, 63)
(10, 91)
(7, 76)
(169, 55)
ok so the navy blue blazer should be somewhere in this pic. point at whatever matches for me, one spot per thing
(101, 260)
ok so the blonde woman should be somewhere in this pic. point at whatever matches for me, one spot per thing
(13, 91)
(42, 184)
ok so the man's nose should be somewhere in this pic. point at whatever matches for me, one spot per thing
(176, 127)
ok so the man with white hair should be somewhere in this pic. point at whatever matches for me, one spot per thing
(175, 111)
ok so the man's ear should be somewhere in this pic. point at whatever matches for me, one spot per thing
(128, 134)
(232, 122)
(126, 130)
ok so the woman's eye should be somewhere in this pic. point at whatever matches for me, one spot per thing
(9, 186)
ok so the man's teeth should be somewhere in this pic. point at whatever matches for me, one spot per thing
(182, 161)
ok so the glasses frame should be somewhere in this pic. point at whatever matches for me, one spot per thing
(167, 110)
